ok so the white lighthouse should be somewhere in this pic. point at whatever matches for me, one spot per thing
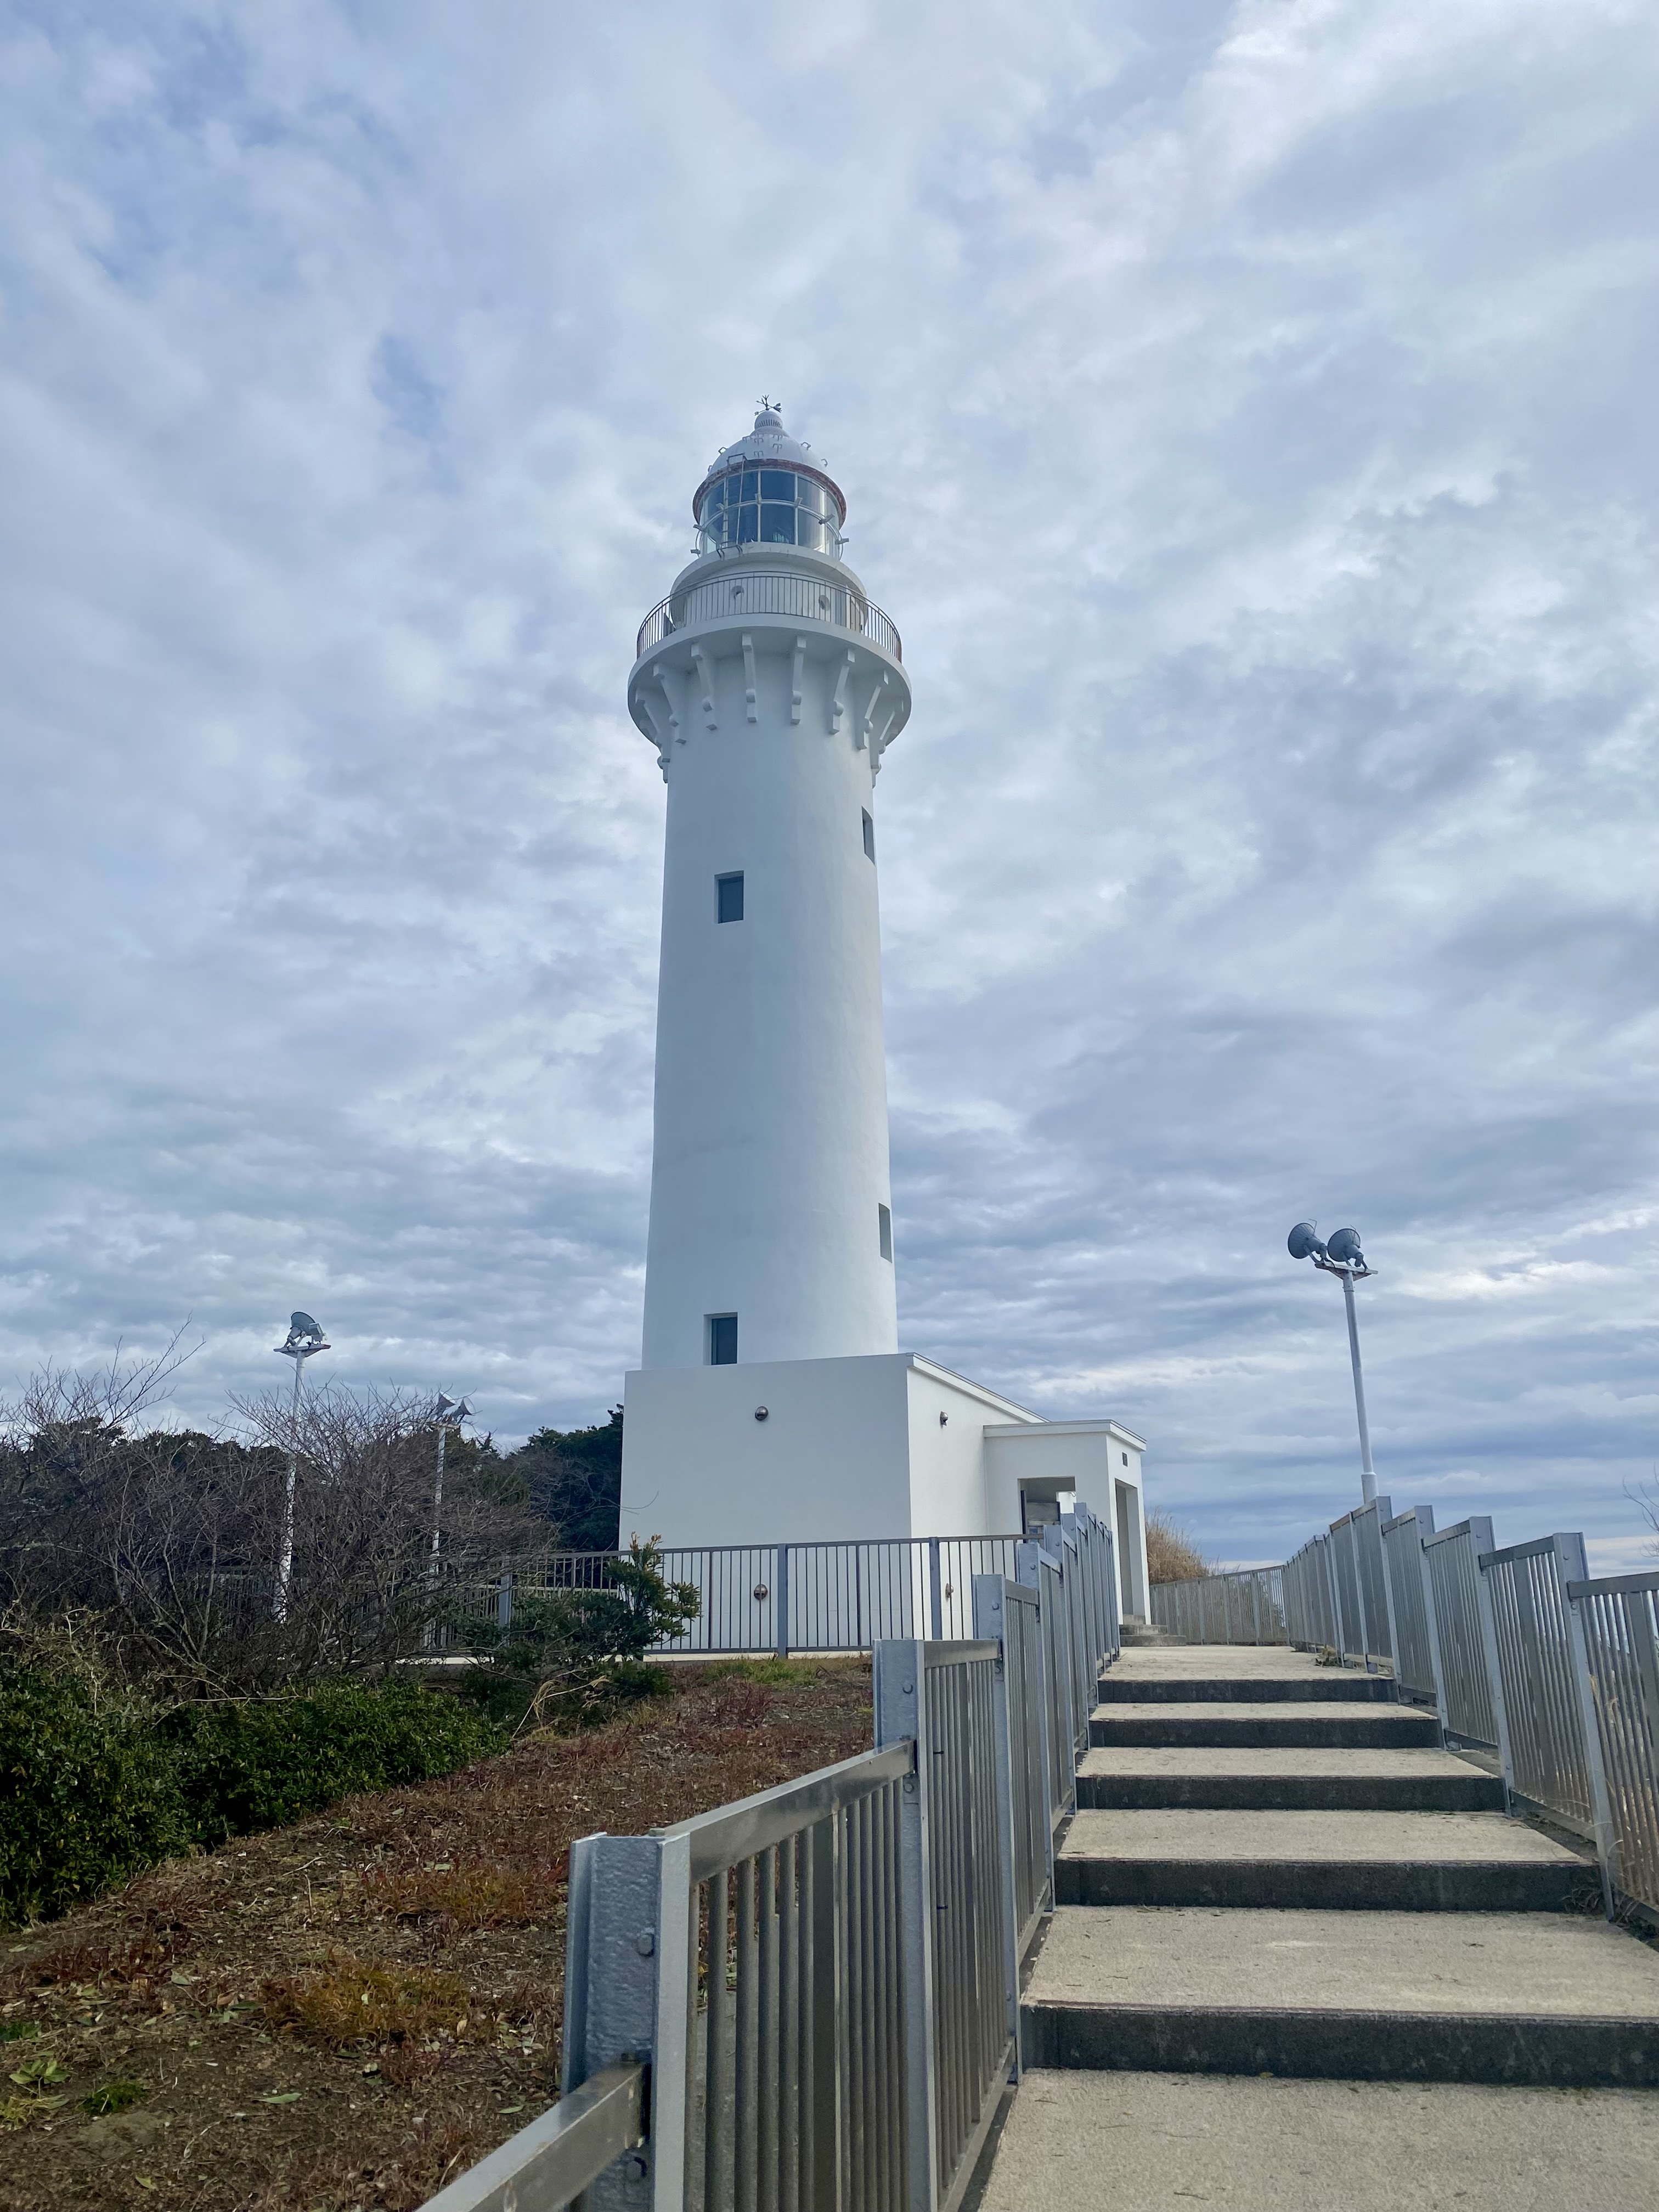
(770, 687)
(771, 1402)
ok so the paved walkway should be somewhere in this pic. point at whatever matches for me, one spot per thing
(1302, 1961)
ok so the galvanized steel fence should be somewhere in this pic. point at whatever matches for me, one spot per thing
(778, 1597)
(1528, 1661)
(809, 2002)
(1246, 1606)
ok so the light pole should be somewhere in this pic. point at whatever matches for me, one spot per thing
(305, 1337)
(449, 1413)
(1342, 1256)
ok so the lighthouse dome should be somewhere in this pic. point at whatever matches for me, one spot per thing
(768, 489)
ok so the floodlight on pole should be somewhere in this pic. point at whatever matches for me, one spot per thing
(1340, 1256)
(305, 1338)
(449, 1413)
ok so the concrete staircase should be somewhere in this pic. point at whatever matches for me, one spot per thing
(1302, 1958)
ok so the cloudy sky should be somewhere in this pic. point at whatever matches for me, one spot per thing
(1240, 407)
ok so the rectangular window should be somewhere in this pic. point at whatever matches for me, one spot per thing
(883, 1217)
(869, 836)
(728, 898)
(722, 1339)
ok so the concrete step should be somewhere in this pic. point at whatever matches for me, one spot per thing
(1353, 1728)
(1166, 2143)
(1251, 1779)
(1343, 1862)
(1543, 2000)
(1125, 1686)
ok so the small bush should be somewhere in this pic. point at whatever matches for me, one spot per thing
(88, 1794)
(245, 1768)
(350, 2000)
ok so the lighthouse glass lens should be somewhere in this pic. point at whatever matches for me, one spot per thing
(777, 525)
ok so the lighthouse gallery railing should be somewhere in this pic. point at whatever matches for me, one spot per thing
(797, 597)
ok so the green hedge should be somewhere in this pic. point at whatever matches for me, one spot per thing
(87, 1797)
(91, 1792)
(247, 1766)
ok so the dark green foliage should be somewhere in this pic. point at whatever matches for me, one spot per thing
(88, 1794)
(113, 2097)
(92, 1790)
(573, 1478)
(584, 1650)
(243, 1767)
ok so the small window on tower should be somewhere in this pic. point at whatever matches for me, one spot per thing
(883, 1217)
(722, 1339)
(728, 898)
(869, 836)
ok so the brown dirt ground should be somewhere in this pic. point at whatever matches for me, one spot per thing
(349, 2012)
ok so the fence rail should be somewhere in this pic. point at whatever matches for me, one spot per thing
(778, 1597)
(1246, 1606)
(809, 2001)
(1547, 1673)
(738, 590)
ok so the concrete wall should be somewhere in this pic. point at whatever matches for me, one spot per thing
(949, 1496)
(830, 1460)
(850, 1448)
(1099, 1461)
(855, 1447)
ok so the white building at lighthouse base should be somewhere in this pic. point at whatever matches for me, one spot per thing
(886, 1445)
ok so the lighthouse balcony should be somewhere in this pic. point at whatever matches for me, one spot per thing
(733, 591)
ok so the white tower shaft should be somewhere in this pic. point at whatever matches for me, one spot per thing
(770, 687)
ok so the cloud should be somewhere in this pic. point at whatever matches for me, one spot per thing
(1243, 413)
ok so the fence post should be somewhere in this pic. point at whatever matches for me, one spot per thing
(1388, 1594)
(1480, 1539)
(1572, 1567)
(901, 1702)
(780, 1601)
(613, 1951)
(991, 1627)
(935, 1594)
(504, 1601)
(1339, 1622)
(1028, 1573)
(1420, 1527)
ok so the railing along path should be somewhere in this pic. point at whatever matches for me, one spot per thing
(809, 2001)
(1550, 1674)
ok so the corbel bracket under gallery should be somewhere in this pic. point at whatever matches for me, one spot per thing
(705, 667)
(838, 703)
(749, 693)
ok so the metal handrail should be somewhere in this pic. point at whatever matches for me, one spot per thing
(794, 593)
(562, 2152)
(720, 1838)
(1550, 1675)
(811, 1997)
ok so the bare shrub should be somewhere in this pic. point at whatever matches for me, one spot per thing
(166, 1543)
(1171, 1554)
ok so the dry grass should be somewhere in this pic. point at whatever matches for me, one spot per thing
(227, 1991)
(349, 2000)
(1171, 1554)
(461, 1898)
